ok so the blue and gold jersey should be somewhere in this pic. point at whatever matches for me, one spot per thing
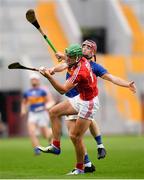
(36, 99)
(97, 69)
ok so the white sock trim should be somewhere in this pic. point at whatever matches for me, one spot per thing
(88, 164)
(100, 146)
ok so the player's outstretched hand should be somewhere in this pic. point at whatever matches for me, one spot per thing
(45, 72)
(51, 71)
(132, 87)
(60, 56)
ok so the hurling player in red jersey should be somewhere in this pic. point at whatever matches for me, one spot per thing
(89, 49)
(86, 105)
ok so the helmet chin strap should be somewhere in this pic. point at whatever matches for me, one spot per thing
(77, 59)
(87, 57)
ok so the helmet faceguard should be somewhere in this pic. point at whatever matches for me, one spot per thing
(93, 47)
(73, 53)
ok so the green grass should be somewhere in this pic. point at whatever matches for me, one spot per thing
(125, 159)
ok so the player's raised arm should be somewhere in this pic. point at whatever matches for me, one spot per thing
(59, 68)
(120, 82)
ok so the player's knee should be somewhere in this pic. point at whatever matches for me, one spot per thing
(72, 137)
(52, 113)
(75, 138)
(32, 133)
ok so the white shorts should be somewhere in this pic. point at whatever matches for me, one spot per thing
(40, 118)
(85, 109)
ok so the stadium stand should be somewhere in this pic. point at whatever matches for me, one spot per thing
(124, 44)
(46, 12)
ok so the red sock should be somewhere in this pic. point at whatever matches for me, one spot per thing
(56, 143)
(79, 166)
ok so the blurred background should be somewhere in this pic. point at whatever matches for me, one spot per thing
(117, 26)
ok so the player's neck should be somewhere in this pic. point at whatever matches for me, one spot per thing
(35, 87)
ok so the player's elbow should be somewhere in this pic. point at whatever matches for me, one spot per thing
(63, 91)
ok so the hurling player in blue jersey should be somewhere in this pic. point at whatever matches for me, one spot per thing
(36, 101)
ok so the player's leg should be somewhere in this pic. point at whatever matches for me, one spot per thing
(94, 129)
(32, 134)
(88, 166)
(47, 133)
(43, 125)
(87, 112)
(81, 126)
(32, 128)
(63, 108)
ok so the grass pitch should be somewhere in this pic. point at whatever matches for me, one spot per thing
(125, 159)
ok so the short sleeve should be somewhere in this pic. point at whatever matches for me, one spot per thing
(25, 95)
(99, 70)
(44, 93)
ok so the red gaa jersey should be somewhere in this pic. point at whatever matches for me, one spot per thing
(84, 79)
